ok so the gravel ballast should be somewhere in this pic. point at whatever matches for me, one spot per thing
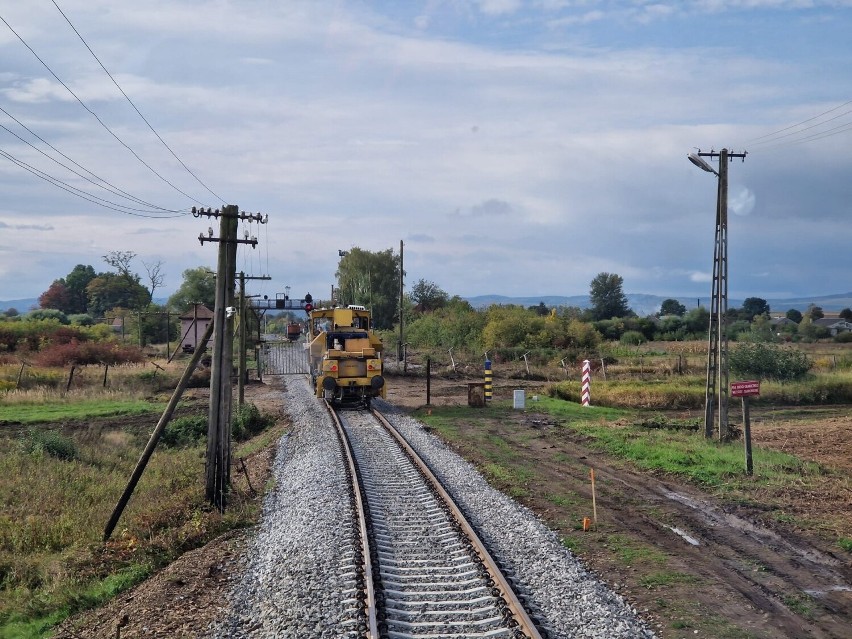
(298, 576)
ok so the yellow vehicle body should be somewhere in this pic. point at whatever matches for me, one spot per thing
(345, 356)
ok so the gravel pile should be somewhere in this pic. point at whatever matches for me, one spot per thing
(298, 579)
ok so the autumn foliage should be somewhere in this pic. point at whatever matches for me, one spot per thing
(85, 353)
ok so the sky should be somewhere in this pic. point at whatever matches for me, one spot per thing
(515, 147)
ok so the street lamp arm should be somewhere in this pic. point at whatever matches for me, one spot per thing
(701, 163)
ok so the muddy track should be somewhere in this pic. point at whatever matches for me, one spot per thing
(744, 563)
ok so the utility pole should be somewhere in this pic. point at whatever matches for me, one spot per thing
(401, 288)
(218, 458)
(243, 372)
(716, 388)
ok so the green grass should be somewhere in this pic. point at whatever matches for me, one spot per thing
(52, 560)
(630, 551)
(67, 601)
(74, 410)
(845, 543)
(666, 578)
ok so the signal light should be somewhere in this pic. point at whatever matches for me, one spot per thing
(309, 307)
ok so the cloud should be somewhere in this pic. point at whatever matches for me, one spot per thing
(741, 201)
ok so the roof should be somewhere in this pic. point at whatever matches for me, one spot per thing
(201, 312)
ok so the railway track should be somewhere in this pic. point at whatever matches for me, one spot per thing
(423, 571)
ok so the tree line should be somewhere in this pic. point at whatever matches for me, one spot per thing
(433, 319)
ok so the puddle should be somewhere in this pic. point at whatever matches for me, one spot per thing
(820, 593)
(689, 539)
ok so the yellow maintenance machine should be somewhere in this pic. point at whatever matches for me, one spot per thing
(345, 356)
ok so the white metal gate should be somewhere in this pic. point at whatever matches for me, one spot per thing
(284, 358)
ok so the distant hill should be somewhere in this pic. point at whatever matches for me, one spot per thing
(643, 304)
(22, 306)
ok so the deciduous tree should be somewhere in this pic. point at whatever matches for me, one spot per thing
(672, 307)
(199, 285)
(371, 279)
(607, 297)
(428, 296)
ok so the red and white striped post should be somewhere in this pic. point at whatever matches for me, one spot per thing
(587, 382)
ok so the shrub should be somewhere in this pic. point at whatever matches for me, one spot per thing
(632, 338)
(767, 361)
(844, 338)
(49, 442)
(185, 431)
(249, 421)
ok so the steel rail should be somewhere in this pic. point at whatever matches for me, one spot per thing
(518, 611)
(366, 562)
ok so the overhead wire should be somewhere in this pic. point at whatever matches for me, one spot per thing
(787, 136)
(121, 208)
(104, 184)
(135, 108)
(95, 115)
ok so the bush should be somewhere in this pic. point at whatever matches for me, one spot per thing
(49, 442)
(249, 421)
(767, 361)
(632, 338)
(843, 338)
(185, 431)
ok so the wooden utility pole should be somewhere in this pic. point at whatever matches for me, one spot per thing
(218, 458)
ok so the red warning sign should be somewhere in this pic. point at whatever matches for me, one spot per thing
(745, 389)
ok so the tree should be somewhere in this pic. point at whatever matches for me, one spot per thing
(155, 275)
(56, 297)
(815, 312)
(794, 315)
(76, 282)
(371, 279)
(607, 298)
(120, 261)
(199, 285)
(672, 307)
(109, 290)
(428, 296)
(541, 310)
(846, 314)
(754, 306)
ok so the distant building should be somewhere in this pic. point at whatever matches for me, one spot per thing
(835, 325)
(193, 325)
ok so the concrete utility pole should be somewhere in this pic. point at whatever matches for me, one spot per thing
(218, 458)
(401, 289)
(716, 388)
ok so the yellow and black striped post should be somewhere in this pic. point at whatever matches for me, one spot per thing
(487, 380)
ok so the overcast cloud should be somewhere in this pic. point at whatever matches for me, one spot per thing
(516, 147)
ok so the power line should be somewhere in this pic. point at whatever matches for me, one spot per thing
(144, 119)
(95, 115)
(109, 187)
(793, 126)
(793, 134)
(121, 208)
